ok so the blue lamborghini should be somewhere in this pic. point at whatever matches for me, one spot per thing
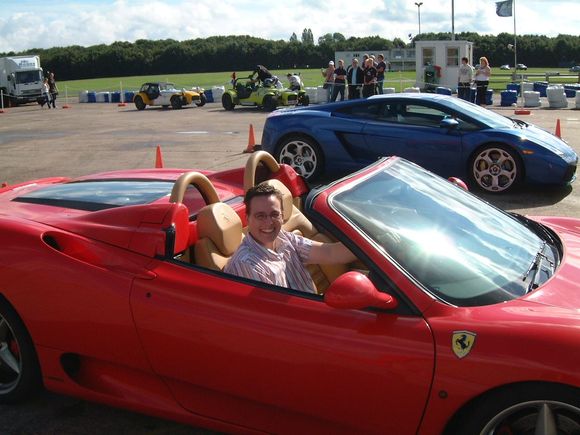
(446, 135)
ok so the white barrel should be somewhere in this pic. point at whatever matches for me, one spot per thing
(577, 100)
(312, 93)
(321, 94)
(556, 96)
(412, 90)
(527, 86)
(103, 97)
(388, 90)
(217, 92)
(532, 99)
(83, 96)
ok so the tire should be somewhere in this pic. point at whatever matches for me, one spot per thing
(176, 102)
(139, 103)
(495, 168)
(202, 100)
(305, 100)
(19, 368)
(270, 103)
(522, 410)
(227, 102)
(303, 154)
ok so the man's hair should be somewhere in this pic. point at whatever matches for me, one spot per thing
(261, 190)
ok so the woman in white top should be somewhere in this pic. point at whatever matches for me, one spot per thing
(482, 80)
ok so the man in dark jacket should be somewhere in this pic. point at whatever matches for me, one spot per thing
(355, 78)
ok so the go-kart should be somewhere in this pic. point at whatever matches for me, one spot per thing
(165, 95)
(267, 95)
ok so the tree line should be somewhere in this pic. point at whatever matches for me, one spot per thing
(230, 53)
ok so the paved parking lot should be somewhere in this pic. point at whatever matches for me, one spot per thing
(88, 138)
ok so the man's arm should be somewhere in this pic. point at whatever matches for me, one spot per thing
(330, 253)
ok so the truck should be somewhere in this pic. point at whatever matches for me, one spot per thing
(20, 79)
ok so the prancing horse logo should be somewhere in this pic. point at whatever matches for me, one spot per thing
(462, 343)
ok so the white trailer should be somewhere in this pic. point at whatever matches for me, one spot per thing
(20, 79)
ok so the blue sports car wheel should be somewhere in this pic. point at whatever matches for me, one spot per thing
(303, 154)
(495, 168)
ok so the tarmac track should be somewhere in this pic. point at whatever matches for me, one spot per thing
(89, 138)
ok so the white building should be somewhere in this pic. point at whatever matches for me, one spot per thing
(442, 56)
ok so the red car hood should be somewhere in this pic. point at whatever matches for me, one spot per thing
(563, 289)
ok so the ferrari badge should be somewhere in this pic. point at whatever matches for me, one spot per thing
(462, 343)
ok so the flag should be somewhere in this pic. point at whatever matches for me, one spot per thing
(504, 9)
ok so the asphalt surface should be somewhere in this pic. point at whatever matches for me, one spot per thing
(86, 138)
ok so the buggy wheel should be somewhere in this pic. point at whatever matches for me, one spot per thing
(227, 102)
(270, 103)
(202, 100)
(139, 103)
(176, 102)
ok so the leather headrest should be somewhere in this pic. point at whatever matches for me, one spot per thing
(287, 203)
(222, 225)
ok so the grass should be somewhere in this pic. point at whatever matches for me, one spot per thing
(310, 77)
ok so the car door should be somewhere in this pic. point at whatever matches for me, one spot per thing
(412, 129)
(282, 361)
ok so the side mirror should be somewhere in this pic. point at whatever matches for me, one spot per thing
(458, 182)
(449, 123)
(353, 290)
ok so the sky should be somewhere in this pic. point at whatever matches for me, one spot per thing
(28, 24)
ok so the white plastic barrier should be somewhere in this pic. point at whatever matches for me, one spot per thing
(556, 97)
(532, 99)
(412, 90)
(217, 92)
(322, 95)
(103, 97)
(577, 100)
(312, 94)
(84, 97)
(388, 90)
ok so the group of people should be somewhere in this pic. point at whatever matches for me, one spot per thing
(369, 78)
(49, 91)
(469, 75)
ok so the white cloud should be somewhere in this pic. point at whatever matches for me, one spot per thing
(40, 24)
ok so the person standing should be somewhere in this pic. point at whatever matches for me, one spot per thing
(339, 81)
(465, 79)
(381, 68)
(370, 79)
(482, 80)
(328, 75)
(46, 94)
(53, 89)
(354, 77)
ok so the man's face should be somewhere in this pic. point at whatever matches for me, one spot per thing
(265, 219)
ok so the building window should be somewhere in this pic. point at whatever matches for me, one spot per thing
(452, 56)
(428, 56)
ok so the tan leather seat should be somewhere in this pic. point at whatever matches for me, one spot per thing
(296, 222)
(219, 231)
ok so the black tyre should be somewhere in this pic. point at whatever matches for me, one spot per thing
(523, 410)
(495, 168)
(176, 102)
(303, 154)
(227, 102)
(202, 100)
(19, 368)
(305, 100)
(139, 103)
(270, 103)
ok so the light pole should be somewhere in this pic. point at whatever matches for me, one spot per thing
(419, 14)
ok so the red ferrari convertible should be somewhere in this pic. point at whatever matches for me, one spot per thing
(456, 318)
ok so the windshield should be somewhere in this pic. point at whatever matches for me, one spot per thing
(481, 114)
(23, 77)
(461, 249)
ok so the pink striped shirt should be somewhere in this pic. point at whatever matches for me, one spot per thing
(283, 266)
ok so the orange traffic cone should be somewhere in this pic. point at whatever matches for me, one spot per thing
(558, 132)
(251, 140)
(158, 158)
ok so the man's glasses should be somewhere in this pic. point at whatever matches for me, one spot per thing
(275, 216)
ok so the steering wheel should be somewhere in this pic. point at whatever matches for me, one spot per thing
(200, 181)
(252, 164)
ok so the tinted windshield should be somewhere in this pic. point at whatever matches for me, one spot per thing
(459, 248)
(486, 116)
(28, 77)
